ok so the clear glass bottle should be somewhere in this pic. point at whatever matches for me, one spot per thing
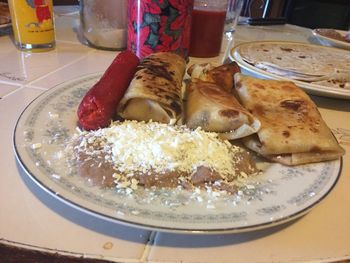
(104, 23)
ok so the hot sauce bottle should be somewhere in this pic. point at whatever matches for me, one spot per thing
(32, 24)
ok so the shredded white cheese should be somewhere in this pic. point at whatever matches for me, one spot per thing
(36, 146)
(141, 147)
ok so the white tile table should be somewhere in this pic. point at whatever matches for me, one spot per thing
(31, 218)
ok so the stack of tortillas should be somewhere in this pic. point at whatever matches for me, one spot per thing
(310, 63)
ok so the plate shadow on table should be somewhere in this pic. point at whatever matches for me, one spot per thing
(81, 218)
(332, 103)
(215, 240)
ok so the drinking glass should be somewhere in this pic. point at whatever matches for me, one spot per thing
(234, 9)
(208, 20)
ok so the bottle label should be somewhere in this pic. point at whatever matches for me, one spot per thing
(32, 21)
(156, 26)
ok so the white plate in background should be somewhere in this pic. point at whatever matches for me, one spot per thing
(328, 41)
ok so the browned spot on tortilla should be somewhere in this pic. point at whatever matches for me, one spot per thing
(315, 149)
(313, 129)
(159, 71)
(286, 134)
(258, 85)
(289, 87)
(214, 93)
(292, 104)
(229, 113)
(286, 49)
(302, 56)
(259, 110)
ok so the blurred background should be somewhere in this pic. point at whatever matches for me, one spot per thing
(307, 13)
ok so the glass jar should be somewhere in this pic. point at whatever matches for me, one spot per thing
(104, 23)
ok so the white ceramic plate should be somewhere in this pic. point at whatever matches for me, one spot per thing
(328, 41)
(278, 195)
(308, 87)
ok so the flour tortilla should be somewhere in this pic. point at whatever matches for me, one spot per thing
(292, 130)
(216, 110)
(297, 61)
(221, 75)
(155, 91)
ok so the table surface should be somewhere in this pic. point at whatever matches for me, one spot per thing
(31, 218)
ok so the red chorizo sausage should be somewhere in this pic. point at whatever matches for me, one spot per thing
(98, 107)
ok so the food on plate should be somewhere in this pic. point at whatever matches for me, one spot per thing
(130, 153)
(221, 75)
(331, 33)
(292, 130)
(309, 63)
(155, 90)
(98, 107)
(216, 110)
(148, 148)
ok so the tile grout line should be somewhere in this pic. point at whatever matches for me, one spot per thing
(58, 69)
(148, 246)
(20, 87)
(11, 83)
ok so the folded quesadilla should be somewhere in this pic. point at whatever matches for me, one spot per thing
(292, 130)
(155, 91)
(216, 110)
(221, 75)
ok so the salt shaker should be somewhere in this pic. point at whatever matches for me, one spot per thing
(104, 23)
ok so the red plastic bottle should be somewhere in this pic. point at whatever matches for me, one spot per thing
(155, 26)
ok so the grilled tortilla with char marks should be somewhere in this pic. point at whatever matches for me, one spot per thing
(292, 130)
(216, 110)
(222, 75)
(155, 91)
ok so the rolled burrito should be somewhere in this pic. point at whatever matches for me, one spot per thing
(155, 91)
(216, 110)
(292, 130)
